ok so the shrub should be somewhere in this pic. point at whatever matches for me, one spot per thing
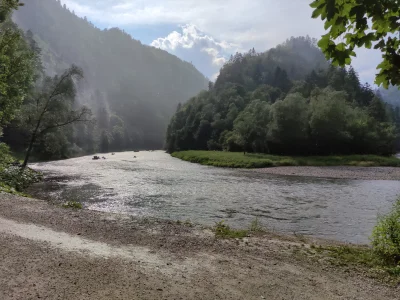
(386, 235)
(18, 178)
(5, 156)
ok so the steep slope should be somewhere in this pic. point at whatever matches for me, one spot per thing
(287, 100)
(390, 96)
(296, 58)
(139, 84)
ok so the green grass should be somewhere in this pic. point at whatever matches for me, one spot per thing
(253, 160)
(226, 232)
(73, 205)
(256, 227)
(11, 190)
(363, 256)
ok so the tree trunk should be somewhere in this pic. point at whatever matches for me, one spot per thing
(33, 139)
(28, 153)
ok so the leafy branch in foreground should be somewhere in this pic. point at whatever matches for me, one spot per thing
(52, 106)
(366, 23)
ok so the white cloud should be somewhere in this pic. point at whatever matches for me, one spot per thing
(246, 24)
(194, 43)
(217, 59)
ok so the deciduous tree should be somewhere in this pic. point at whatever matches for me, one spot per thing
(52, 107)
(362, 23)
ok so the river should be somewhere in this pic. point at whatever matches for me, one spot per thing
(156, 185)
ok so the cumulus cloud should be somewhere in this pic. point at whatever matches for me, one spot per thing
(191, 42)
(229, 25)
(259, 22)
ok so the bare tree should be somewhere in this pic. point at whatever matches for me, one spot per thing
(53, 106)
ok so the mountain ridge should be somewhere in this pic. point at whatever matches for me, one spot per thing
(139, 83)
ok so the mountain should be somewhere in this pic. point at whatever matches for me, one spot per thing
(390, 95)
(287, 100)
(138, 85)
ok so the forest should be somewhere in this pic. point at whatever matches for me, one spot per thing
(66, 94)
(288, 100)
(130, 89)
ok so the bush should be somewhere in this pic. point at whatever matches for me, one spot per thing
(18, 178)
(386, 236)
(5, 156)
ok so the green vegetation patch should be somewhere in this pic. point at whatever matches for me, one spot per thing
(386, 236)
(361, 256)
(73, 205)
(14, 179)
(253, 160)
(383, 258)
(11, 190)
(17, 178)
(223, 230)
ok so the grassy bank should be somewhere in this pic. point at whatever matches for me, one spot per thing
(251, 160)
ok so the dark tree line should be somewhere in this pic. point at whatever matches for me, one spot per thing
(288, 100)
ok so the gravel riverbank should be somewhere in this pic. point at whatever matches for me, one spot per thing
(365, 173)
(48, 252)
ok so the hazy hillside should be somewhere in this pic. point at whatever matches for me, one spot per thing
(287, 100)
(391, 95)
(139, 84)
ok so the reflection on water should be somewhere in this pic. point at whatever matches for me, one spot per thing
(155, 184)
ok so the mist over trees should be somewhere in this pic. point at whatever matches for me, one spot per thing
(288, 100)
(131, 89)
(50, 108)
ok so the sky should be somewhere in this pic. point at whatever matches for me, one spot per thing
(207, 32)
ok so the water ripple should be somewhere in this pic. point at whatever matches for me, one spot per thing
(155, 184)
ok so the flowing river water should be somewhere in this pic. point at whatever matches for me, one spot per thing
(156, 185)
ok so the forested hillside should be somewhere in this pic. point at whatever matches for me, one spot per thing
(390, 95)
(288, 100)
(132, 89)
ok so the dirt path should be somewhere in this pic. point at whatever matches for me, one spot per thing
(365, 173)
(52, 253)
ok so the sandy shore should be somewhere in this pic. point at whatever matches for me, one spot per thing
(48, 252)
(366, 173)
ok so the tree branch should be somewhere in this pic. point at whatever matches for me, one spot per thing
(83, 116)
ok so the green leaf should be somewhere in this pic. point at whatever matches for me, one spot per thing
(317, 3)
(341, 47)
(316, 13)
(324, 42)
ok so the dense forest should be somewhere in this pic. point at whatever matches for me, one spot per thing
(131, 89)
(288, 100)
